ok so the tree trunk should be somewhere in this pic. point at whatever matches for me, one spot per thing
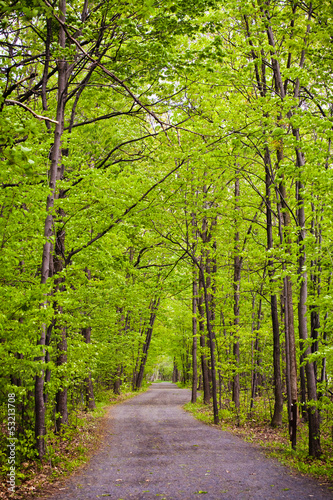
(236, 286)
(174, 372)
(313, 413)
(316, 287)
(204, 366)
(47, 264)
(117, 379)
(212, 345)
(291, 369)
(153, 308)
(315, 326)
(58, 265)
(195, 299)
(278, 397)
(89, 388)
(194, 341)
(61, 396)
(256, 353)
(40, 429)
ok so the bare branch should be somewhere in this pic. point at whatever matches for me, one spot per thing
(24, 106)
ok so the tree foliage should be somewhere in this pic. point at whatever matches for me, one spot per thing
(166, 178)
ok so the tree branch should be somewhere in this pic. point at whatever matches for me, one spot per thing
(24, 106)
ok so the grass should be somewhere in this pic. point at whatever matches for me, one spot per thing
(255, 428)
(65, 453)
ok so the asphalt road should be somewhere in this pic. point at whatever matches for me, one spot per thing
(154, 449)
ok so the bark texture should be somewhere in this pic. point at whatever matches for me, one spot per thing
(236, 286)
(278, 397)
(149, 331)
(194, 341)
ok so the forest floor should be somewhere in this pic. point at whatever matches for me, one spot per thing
(152, 448)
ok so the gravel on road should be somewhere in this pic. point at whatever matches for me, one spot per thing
(153, 449)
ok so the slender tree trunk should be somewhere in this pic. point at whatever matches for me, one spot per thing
(48, 357)
(316, 287)
(194, 341)
(254, 384)
(212, 346)
(61, 396)
(204, 366)
(256, 353)
(278, 397)
(205, 282)
(194, 318)
(220, 357)
(200, 382)
(236, 286)
(323, 366)
(58, 265)
(302, 384)
(174, 372)
(138, 359)
(285, 224)
(313, 413)
(89, 388)
(117, 379)
(40, 429)
(153, 308)
(315, 326)
(287, 350)
(290, 351)
(211, 270)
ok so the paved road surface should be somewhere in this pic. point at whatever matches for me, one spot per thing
(153, 449)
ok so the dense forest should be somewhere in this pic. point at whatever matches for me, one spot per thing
(166, 206)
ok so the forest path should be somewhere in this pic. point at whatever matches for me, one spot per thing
(154, 449)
